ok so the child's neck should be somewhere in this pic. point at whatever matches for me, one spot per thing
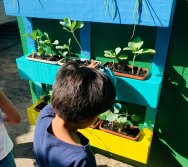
(65, 131)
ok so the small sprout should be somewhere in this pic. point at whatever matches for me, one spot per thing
(33, 54)
(65, 50)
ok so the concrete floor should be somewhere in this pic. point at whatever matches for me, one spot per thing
(18, 91)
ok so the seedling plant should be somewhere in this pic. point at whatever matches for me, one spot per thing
(44, 44)
(135, 48)
(71, 27)
(118, 121)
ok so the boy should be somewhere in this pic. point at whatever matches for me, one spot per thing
(79, 95)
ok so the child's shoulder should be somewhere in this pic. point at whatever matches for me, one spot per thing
(47, 111)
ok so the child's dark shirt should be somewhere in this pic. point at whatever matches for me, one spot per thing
(51, 152)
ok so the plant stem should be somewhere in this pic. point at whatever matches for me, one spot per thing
(133, 64)
(113, 68)
(78, 43)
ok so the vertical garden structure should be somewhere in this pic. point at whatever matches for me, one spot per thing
(149, 13)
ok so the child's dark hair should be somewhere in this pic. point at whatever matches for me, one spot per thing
(81, 92)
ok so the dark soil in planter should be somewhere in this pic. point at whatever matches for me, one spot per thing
(77, 59)
(46, 57)
(84, 62)
(130, 132)
(126, 69)
(40, 106)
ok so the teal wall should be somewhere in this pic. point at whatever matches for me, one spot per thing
(170, 142)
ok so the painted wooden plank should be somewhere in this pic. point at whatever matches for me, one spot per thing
(144, 93)
(135, 150)
(36, 71)
(85, 40)
(161, 47)
(150, 12)
(28, 28)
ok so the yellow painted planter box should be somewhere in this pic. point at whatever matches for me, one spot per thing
(32, 113)
(135, 150)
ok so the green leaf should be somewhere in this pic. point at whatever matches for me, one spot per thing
(111, 117)
(117, 50)
(123, 57)
(73, 25)
(41, 51)
(148, 51)
(104, 115)
(135, 46)
(122, 119)
(65, 53)
(60, 52)
(135, 118)
(79, 24)
(34, 35)
(27, 35)
(69, 41)
(138, 51)
(41, 42)
(126, 48)
(39, 33)
(62, 23)
(109, 53)
(59, 47)
(67, 22)
(129, 122)
(56, 42)
(46, 35)
(47, 42)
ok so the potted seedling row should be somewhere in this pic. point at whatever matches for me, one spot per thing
(124, 69)
(45, 48)
(117, 123)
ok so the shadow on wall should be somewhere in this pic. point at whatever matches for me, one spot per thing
(170, 138)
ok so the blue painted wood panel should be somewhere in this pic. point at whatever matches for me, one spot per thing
(150, 12)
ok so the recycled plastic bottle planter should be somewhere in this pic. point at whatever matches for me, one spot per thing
(128, 132)
(126, 71)
(47, 58)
